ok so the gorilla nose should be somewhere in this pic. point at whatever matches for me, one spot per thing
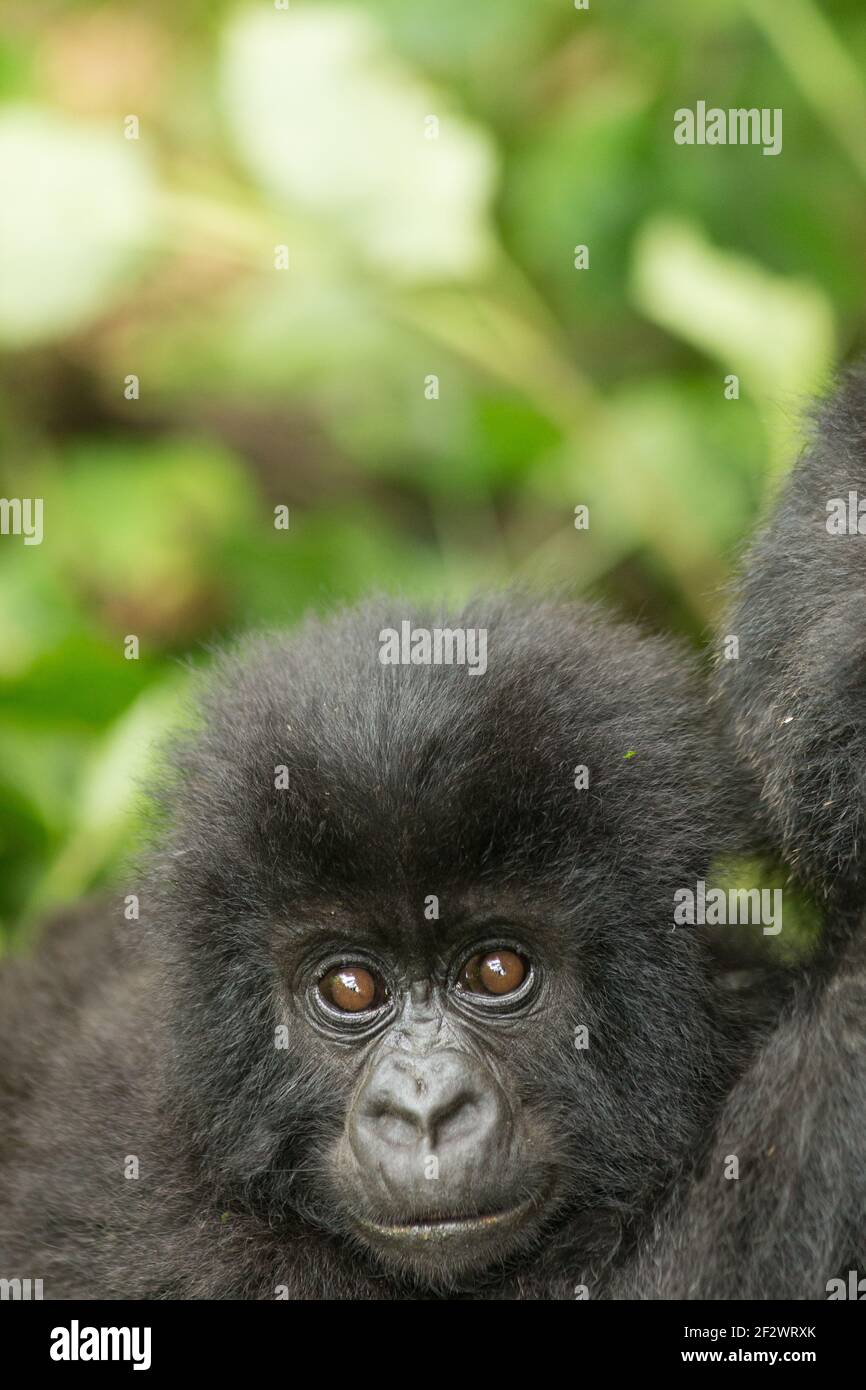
(442, 1102)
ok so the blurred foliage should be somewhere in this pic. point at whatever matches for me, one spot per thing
(408, 257)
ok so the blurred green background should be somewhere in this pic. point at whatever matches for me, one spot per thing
(415, 249)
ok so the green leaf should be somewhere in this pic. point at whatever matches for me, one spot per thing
(77, 211)
(776, 332)
(328, 120)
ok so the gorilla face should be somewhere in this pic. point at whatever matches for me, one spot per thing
(440, 1160)
(428, 998)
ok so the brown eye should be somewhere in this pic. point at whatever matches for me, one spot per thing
(497, 972)
(352, 989)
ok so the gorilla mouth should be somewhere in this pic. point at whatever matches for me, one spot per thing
(437, 1229)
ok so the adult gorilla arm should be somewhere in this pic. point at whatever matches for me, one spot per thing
(797, 692)
(790, 1214)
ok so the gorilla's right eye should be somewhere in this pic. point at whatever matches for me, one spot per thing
(352, 989)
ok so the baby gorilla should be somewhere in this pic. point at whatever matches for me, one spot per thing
(404, 1015)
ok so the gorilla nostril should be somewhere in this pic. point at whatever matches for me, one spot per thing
(436, 1122)
(394, 1124)
(454, 1118)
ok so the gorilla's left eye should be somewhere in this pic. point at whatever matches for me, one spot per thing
(495, 972)
(352, 989)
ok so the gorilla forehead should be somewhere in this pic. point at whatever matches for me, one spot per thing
(424, 775)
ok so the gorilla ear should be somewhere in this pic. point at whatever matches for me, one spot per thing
(797, 690)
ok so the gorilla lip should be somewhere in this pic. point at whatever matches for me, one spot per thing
(446, 1228)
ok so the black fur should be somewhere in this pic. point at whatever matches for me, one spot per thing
(798, 690)
(156, 1039)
